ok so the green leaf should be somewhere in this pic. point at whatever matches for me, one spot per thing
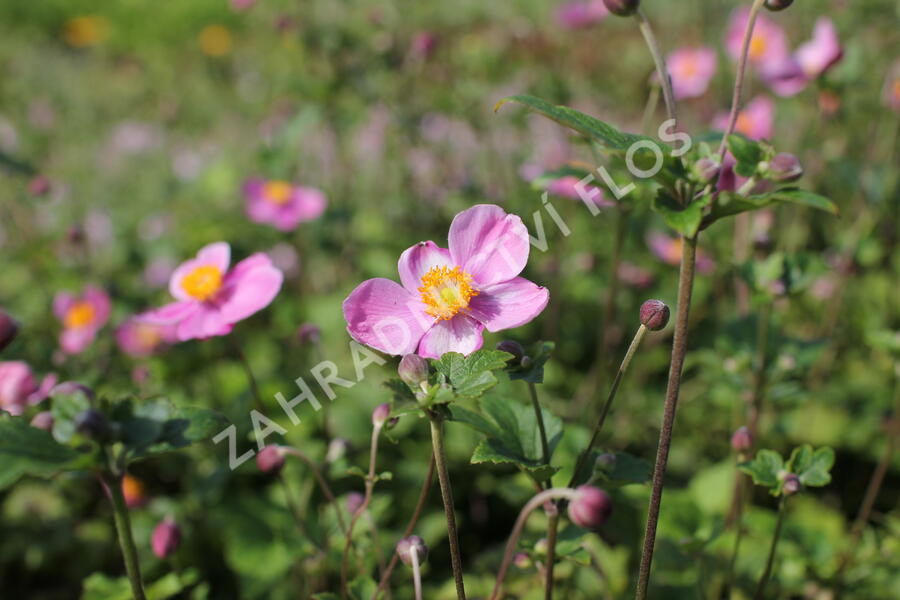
(65, 407)
(27, 450)
(539, 354)
(155, 426)
(745, 150)
(816, 469)
(683, 219)
(362, 588)
(764, 468)
(728, 203)
(802, 197)
(470, 376)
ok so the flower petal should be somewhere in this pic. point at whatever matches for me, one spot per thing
(418, 260)
(217, 255)
(460, 334)
(382, 314)
(489, 244)
(250, 287)
(508, 304)
(74, 341)
(203, 322)
(62, 303)
(169, 314)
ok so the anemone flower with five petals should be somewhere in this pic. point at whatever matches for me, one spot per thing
(450, 295)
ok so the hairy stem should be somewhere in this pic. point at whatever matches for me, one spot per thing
(417, 577)
(126, 539)
(539, 415)
(761, 586)
(679, 350)
(440, 459)
(664, 80)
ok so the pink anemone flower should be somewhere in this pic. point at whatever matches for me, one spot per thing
(581, 13)
(812, 59)
(19, 388)
(281, 204)
(449, 296)
(138, 338)
(756, 121)
(210, 298)
(668, 249)
(769, 42)
(82, 317)
(691, 70)
(567, 187)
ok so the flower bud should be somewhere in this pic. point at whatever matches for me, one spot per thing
(590, 508)
(91, 423)
(270, 459)
(654, 315)
(623, 8)
(413, 369)
(43, 420)
(166, 538)
(790, 484)
(706, 169)
(522, 561)
(540, 547)
(381, 414)
(606, 462)
(39, 185)
(9, 328)
(354, 502)
(776, 5)
(784, 168)
(308, 333)
(405, 549)
(512, 347)
(741, 440)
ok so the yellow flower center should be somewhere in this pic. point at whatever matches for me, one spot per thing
(203, 282)
(79, 315)
(446, 291)
(278, 192)
(689, 68)
(744, 124)
(897, 88)
(148, 335)
(758, 47)
(215, 40)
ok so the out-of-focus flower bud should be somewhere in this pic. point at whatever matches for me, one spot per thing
(134, 492)
(706, 169)
(654, 314)
(337, 449)
(623, 8)
(43, 420)
(522, 561)
(381, 414)
(413, 369)
(166, 538)
(406, 546)
(270, 459)
(784, 168)
(790, 485)
(308, 333)
(354, 502)
(91, 423)
(741, 440)
(512, 347)
(776, 5)
(9, 329)
(606, 462)
(39, 185)
(540, 547)
(590, 508)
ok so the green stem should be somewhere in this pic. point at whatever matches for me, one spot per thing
(539, 415)
(738, 534)
(679, 351)
(552, 529)
(440, 461)
(126, 539)
(664, 80)
(761, 586)
(370, 487)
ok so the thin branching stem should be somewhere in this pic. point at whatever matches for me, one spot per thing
(440, 459)
(767, 573)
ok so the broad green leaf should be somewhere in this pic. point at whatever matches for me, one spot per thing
(155, 426)
(26, 450)
(65, 407)
(363, 588)
(630, 469)
(728, 203)
(817, 469)
(764, 468)
(683, 219)
(745, 150)
(539, 354)
(102, 587)
(802, 197)
(471, 375)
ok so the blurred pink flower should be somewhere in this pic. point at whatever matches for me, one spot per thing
(239, 5)
(668, 250)
(210, 298)
(82, 317)
(769, 43)
(892, 88)
(755, 121)
(566, 187)
(281, 204)
(581, 13)
(448, 297)
(635, 276)
(785, 77)
(821, 52)
(138, 338)
(691, 70)
(423, 45)
(19, 387)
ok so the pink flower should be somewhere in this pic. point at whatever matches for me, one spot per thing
(210, 298)
(138, 338)
(822, 52)
(581, 13)
(691, 70)
(768, 44)
(756, 121)
(19, 388)
(82, 317)
(448, 297)
(566, 187)
(891, 92)
(668, 250)
(239, 5)
(281, 204)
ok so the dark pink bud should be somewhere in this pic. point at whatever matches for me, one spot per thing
(522, 561)
(512, 347)
(776, 5)
(790, 485)
(9, 329)
(354, 502)
(785, 168)
(308, 333)
(270, 459)
(590, 508)
(623, 8)
(43, 420)
(654, 314)
(39, 185)
(406, 546)
(381, 414)
(413, 369)
(166, 538)
(741, 440)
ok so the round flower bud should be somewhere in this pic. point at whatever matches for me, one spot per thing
(308, 333)
(654, 315)
(270, 459)
(381, 414)
(623, 8)
(784, 168)
(522, 561)
(540, 547)
(91, 423)
(776, 5)
(590, 508)
(166, 538)
(741, 440)
(43, 420)
(413, 369)
(706, 169)
(405, 548)
(790, 484)
(512, 347)
(9, 328)
(354, 502)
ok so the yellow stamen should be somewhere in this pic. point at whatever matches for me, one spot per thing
(758, 47)
(203, 282)
(79, 315)
(446, 291)
(277, 192)
(744, 124)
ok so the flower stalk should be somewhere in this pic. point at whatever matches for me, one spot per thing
(126, 538)
(761, 586)
(660, 62)
(440, 459)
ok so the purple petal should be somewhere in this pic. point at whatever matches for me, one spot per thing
(460, 334)
(203, 322)
(382, 314)
(489, 244)
(62, 303)
(74, 341)
(508, 304)
(418, 260)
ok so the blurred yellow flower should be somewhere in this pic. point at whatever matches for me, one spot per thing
(215, 40)
(88, 30)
